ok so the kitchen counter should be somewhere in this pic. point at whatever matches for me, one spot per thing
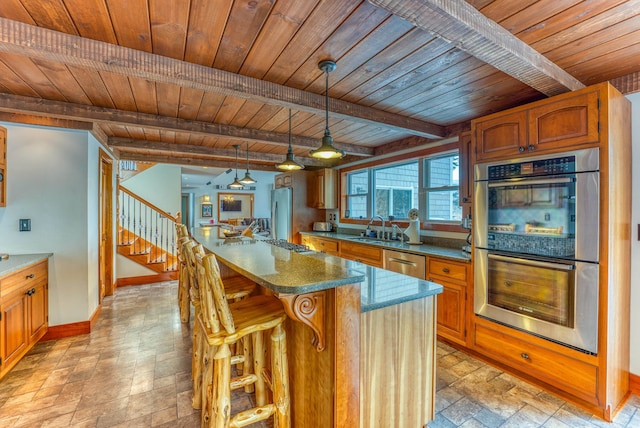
(285, 271)
(428, 250)
(18, 261)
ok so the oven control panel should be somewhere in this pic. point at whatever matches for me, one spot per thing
(561, 165)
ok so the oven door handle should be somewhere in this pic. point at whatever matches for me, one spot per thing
(531, 182)
(536, 263)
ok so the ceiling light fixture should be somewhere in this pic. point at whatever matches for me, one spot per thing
(236, 184)
(290, 164)
(326, 150)
(247, 177)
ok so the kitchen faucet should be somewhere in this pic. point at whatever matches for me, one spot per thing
(381, 222)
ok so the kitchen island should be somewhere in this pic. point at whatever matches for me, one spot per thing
(361, 340)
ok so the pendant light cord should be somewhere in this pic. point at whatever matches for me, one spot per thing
(326, 102)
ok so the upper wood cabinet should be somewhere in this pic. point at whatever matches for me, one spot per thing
(3, 167)
(466, 173)
(569, 121)
(283, 180)
(324, 193)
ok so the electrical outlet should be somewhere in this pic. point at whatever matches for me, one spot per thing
(25, 224)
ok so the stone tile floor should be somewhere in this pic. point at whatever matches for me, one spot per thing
(134, 369)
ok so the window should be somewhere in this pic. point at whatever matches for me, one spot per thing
(396, 189)
(441, 187)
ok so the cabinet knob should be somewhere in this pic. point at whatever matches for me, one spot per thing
(508, 283)
(30, 276)
(525, 355)
(531, 147)
(521, 149)
(445, 270)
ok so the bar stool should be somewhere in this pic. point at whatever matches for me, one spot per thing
(223, 324)
(240, 287)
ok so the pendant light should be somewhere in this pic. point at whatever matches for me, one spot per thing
(236, 184)
(290, 164)
(326, 150)
(247, 177)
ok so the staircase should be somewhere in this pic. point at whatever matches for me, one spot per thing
(146, 234)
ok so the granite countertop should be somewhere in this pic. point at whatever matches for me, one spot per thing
(18, 261)
(288, 272)
(428, 250)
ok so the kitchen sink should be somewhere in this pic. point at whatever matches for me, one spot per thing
(365, 239)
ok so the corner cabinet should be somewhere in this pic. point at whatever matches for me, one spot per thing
(3, 167)
(324, 189)
(24, 316)
(566, 122)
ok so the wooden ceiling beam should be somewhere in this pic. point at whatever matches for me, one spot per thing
(467, 29)
(192, 161)
(627, 84)
(44, 44)
(19, 104)
(122, 144)
(8, 116)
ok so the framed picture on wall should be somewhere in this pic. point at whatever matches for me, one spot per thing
(207, 210)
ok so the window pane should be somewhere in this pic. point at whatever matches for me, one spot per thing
(358, 183)
(396, 189)
(357, 206)
(443, 205)
(443, 171)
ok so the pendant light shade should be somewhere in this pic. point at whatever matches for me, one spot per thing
(289, 163)
(326, 150)
(236, 184)
(247, 177)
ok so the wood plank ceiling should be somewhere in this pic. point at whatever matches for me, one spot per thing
(182, 81)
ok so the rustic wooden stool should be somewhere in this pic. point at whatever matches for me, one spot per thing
(223, 324)
(239, 288)
(182, 235)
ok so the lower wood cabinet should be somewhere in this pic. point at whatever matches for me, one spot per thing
(452, 302)
(24, 317)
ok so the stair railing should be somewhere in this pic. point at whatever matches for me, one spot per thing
(146, 228)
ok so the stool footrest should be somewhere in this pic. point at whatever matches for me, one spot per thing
(241, 381)
(237, 359)
(252, 416)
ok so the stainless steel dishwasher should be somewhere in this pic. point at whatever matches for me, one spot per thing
(405, 263)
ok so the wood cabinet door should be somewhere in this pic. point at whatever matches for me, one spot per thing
(14, 327)
(451, 311)
(501, 135)
(568, 122)
(37, 312)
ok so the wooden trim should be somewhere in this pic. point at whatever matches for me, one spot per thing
(48, 45)
(67, 330)
(634, 383)
(146, 279)
(93, 320)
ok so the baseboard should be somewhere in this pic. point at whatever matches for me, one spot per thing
(634, 383)
(72, 329)
(146, 279)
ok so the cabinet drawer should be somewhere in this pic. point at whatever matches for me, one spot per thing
(361, 253)
(561, 371)
(328, 246)
(407, 264)
(447, 269)
(28, 276)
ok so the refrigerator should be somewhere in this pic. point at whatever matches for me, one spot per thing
(291, 208)
(282, 214)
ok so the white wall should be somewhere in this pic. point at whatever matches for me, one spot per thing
(52, 178)
(159, 185)
(635, 244)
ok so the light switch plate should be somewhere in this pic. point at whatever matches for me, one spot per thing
(25, 224)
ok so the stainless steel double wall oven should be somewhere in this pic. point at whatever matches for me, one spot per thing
(536, 245)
